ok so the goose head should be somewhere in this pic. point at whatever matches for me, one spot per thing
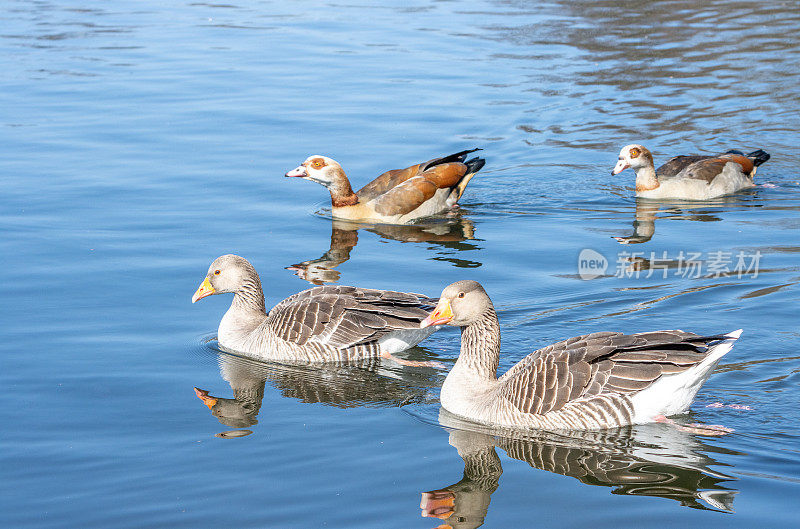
(461, 304)
(319, 169)
(227, 274)
(633, 156)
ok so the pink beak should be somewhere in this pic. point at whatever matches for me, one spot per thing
(621, 166)
(297, 171)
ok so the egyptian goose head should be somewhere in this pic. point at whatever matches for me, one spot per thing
(329, 173)
(634, 156)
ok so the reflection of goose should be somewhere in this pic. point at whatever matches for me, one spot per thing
(646, 460)
(646, 211)
(694, 177)
(644, 223)
(344, 237)
(322, 324)
(321, 270)
(397, 196)
(344, 386)
(599, 380)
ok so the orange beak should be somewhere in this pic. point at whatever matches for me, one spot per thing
(440, 315)
(205, 289)
(438, 504)
(205, 397)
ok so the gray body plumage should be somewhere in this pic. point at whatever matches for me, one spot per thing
(321, 324)
(642, 461)
(595, 381)
(328, 324)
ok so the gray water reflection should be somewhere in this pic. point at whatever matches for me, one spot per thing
(446, 237)
(364, 383)
(646, 460)
(675, 71)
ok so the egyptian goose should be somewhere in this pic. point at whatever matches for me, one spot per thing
(322, 324)
(599, 380)
(397, 196)
(693, 177)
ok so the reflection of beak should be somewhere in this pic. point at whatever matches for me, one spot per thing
(205, 289)
(621, 166)
(207, 399)
(438, 504)
(298, 171)
(440, 315)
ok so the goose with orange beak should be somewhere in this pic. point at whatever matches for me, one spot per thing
(594, 381)
(323, 324)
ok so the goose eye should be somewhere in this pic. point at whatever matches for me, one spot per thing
(461, 294)
(216, 272)
(317, 164)
(635, 152)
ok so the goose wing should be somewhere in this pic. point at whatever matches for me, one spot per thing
(393, 178)
(704, 167)
(415, 191)
(342, 316)
(603, 362)
(675, 165)
(387, 181)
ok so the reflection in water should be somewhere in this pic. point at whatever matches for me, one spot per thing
(448, 233)
(654, 65)
(644, 223)
(365, 383)
(707, 211)
(646, 460)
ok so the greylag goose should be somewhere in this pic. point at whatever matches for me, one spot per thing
(692, 177)
(322, 324)
(642, 461)
(342, 385)
(397, 196)
(595, 381)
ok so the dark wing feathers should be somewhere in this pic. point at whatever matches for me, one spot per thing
(703, 167)
(706, 170)
(456, 157)
(675, 165)
(343, 316)
(604, 362)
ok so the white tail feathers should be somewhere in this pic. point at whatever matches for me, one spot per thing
(673, 394)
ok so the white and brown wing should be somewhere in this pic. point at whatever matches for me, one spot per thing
(599, 363)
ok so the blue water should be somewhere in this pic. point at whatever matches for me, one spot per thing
(140, 141)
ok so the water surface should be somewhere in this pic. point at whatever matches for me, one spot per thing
(142, 141)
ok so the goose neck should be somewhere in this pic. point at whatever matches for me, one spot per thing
(480, 346)
(341, 191)
(646, 178)
(249, 297)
